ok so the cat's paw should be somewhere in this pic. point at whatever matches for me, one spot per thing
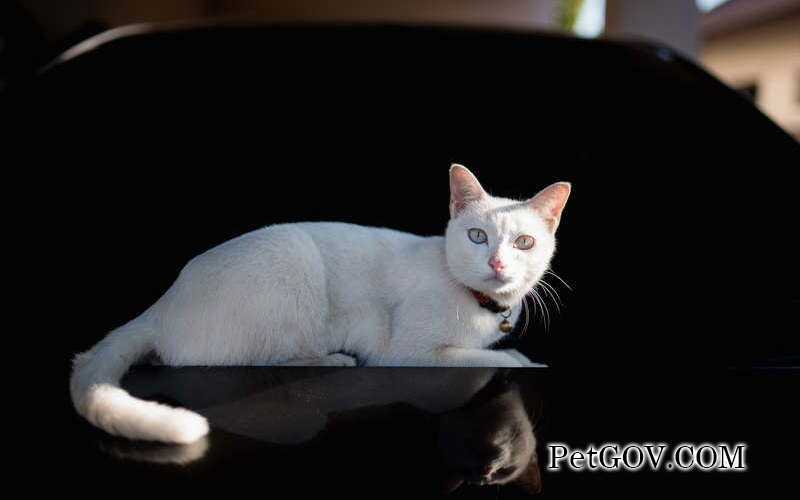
(524, 361)
(338, 359)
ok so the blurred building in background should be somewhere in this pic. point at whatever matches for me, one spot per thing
(752, 45)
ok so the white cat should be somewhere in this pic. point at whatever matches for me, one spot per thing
(305, 293)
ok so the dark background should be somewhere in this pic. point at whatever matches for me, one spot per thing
(678, 242)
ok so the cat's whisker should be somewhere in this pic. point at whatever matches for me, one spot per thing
(559, 278)
(527, 315)
(529, 294)
(548, 293)
(552, 293)
(545, 292)
(536, 304)
(546, 311)
(553, 289)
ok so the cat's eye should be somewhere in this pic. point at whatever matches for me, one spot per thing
(476, 235)
(524, 242)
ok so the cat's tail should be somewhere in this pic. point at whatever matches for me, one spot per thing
(98, 397)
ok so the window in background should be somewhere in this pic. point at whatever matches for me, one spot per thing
(584, 18)
(706, 5)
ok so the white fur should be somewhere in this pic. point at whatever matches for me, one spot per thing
(306, 291)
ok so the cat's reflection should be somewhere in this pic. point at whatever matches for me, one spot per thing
(436, 427)
(157, 453)
(491, 439)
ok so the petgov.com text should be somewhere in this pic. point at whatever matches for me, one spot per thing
(682, 457)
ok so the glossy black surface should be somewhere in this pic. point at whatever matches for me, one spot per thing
(366, 432)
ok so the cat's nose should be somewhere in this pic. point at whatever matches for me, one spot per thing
(496, 264)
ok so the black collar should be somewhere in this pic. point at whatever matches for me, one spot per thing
(487, 302)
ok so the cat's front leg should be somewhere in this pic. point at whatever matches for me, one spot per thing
(335, 359)
(523, 359)
(463, 356)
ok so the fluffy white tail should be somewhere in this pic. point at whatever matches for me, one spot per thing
(97, 396)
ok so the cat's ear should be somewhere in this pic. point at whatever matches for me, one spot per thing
(464, 189)
(531, 478)
(550, 202)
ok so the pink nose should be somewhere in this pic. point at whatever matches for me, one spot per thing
(496, 265)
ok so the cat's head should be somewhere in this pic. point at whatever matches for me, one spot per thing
(498, 246)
